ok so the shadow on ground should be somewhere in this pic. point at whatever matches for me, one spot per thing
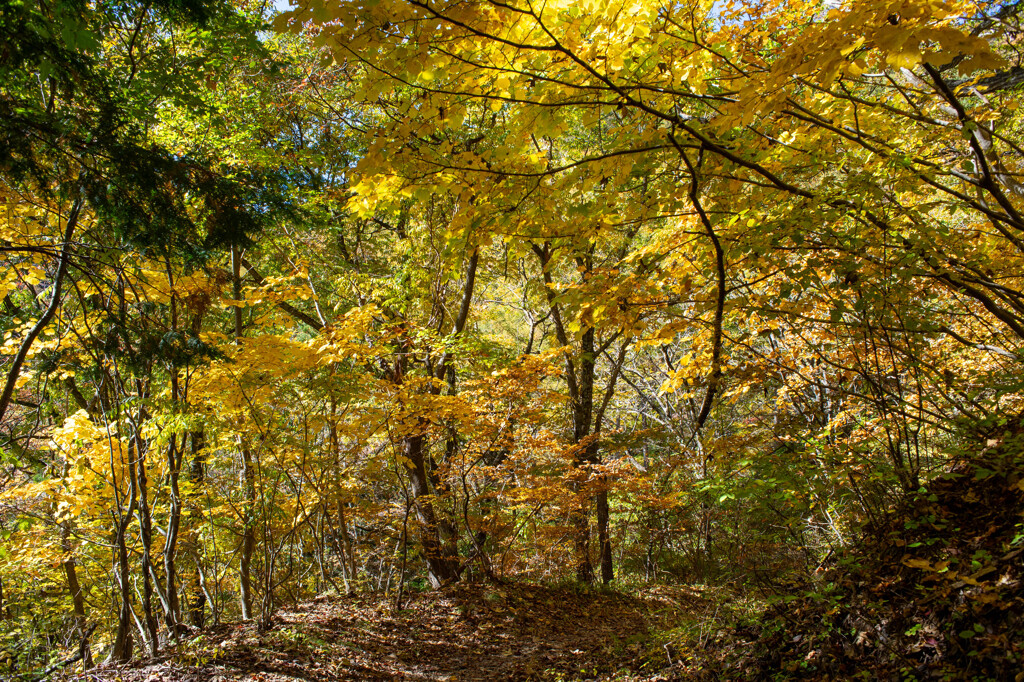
(466, 632)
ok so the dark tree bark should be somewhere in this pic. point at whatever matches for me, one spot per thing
(146, 535)
(603, 538)
(603, 508)
(123, 645)
(441, 568)
(442, 565)
(580, 376)
(348, 559)
(248, 466)
(196, 593)
(580, 384)
(77, 599)
(55, 297)
(248, 530)
(172, 611)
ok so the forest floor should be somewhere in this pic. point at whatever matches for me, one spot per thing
(931, 589)
(465, 632)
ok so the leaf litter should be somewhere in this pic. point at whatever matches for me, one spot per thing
(463, 632)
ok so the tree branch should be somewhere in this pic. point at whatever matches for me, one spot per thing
(58, 280)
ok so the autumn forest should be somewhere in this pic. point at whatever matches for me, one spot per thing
(607, 302)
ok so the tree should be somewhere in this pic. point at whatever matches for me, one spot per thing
(718, 285)
(82, 142)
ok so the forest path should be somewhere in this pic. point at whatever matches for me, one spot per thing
(465, 632)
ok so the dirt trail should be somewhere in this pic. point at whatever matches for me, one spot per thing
(469, 632)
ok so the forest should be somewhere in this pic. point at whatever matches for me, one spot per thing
(684, 335)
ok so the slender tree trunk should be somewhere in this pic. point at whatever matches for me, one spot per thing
(77, 598)
(441, 568)
(705, 527)
(248, 530)
(607, 568)
(580, 522)
(491, 459)
(55, 297)
(444, 371)
(146, 535)
(248, 468)
(447, 529)
(173, 615)
(150, 579)
(405, 555)
(197, 472)
(74, 588)
(123, 645)
(348, 549)
(603, 508)
(583, 411)
(174, 459)
(580, 385)
(348, 559)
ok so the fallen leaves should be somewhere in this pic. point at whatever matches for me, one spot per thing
(466, 632)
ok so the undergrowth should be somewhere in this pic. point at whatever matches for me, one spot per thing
(930, 591)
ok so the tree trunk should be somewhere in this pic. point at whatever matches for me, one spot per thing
(579, 519)
(348, 558)
(441, 568)
(607, 568)
(122, 649)
(55, 297)
(196, 594)
(77, 599)
(491, 459)
(173, 614)
(146, 535)
(442, 565)
(349, 552)
(447, 529)
(248, 468)
(123, 645)
(583, 412)
(248, 530)
(174, 457)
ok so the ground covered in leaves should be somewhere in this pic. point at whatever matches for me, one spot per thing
(932, 590)
(466, 632)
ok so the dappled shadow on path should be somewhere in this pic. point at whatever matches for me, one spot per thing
(465, 632)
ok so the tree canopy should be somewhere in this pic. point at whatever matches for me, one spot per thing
(380, 295)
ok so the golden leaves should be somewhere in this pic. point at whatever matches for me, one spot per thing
(862, 36)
